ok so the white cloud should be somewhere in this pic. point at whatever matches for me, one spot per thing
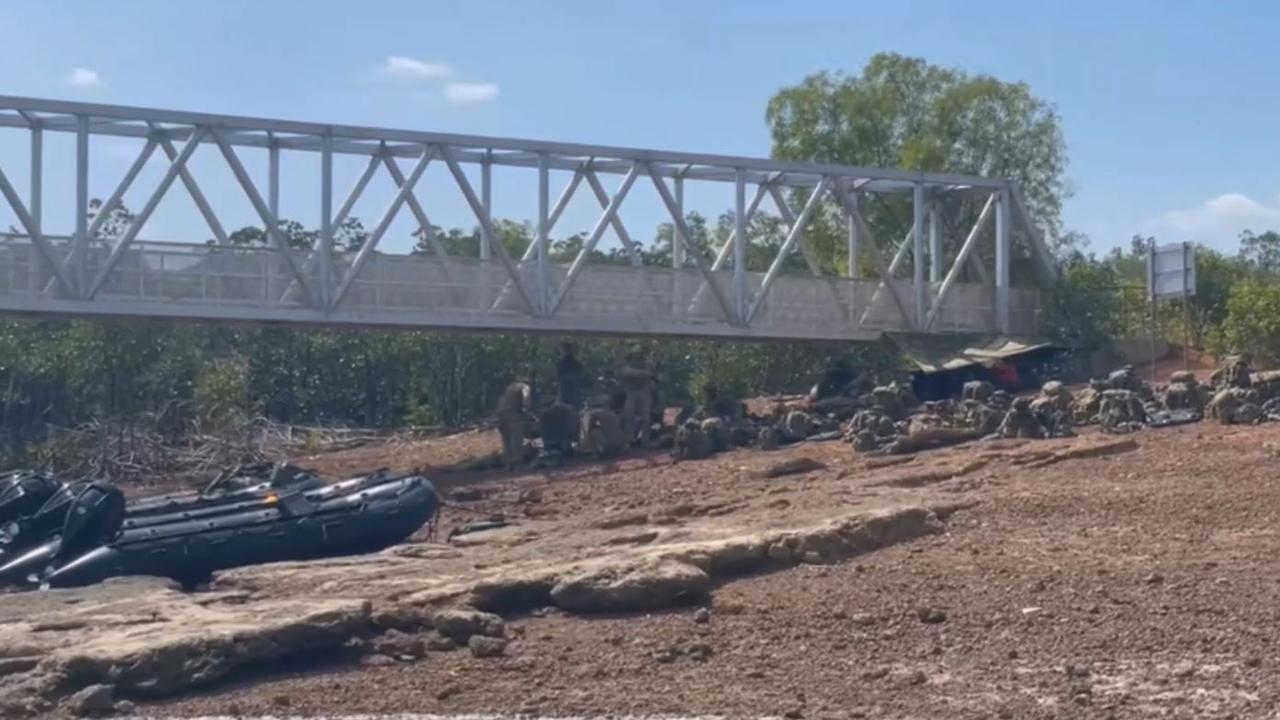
(1218, 222)
(462, 93)
(407, 68)
(84, 78)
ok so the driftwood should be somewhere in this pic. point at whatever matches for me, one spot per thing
(131, 450)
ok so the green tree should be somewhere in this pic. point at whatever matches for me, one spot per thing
(1253, 321)
(903, 112)
(117, 221)
(1216, 274)
(1085, 311)
(1261, 252)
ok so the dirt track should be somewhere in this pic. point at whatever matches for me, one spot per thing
(1137, 584)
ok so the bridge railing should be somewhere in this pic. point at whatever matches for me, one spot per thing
(254, 282)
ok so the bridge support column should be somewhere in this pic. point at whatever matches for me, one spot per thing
(544, 210)
(935, 242)
(81, 245)
(851, 220)
(1002, 259)
(677, 251)
(917, 254)
(36, 204)
(486, 206)
(273, 180)
(326, 215)
(740, 246)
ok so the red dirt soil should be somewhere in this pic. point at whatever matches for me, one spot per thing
(1133, 585)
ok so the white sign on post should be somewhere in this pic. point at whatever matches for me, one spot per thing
(1171, 271)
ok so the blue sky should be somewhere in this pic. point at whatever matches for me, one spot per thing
(1168, 108)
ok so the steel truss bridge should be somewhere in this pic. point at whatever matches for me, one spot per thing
(82, 274)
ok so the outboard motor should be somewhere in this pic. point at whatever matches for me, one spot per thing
(40, 525)
(94, 518)
(91, 517)
(23, 492)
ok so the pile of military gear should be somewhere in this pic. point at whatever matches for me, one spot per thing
(982, 411)
(884, 419)
(1180, 402)
(1119, 403)
(1123, 402)
(1234, 372)
(1242, 396)
(787, 425)
(718, 424)
(61, 534)
(1234, 405)
(1121, 411)
(1185, 393)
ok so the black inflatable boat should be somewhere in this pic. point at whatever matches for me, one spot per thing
(22, 528)
(356, 516)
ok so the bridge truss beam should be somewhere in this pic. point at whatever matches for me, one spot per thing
(84, 274)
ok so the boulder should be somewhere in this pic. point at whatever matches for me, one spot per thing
(397, 644)
(400, 617)
(486, 647)
(93, 700)
(461, 624)
(648, 586)
(439, 643)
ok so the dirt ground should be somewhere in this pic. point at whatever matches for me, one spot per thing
(1136, 584)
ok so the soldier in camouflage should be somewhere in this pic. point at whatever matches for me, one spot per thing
(691, 443)
(601, 434)
(559, 427)
(513, 415)
(1020, 421)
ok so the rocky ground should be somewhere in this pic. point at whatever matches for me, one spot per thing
(1093, 577)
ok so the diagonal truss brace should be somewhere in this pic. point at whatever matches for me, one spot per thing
(606, 218)
(899, 257)
(793, 234)
(722, 255)
(157, 138)
(403, 193)
(189, 182)
(269, 220)
(495, 243)
(885, 276)
(683, 235)
(131, 233)
(805, 249)
(347, 205)
(428, 234)
(789, 217)
(633, 248)
(105, 211)
(1048, 267)
(37, 238)
(966, 251)
(552, 218)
